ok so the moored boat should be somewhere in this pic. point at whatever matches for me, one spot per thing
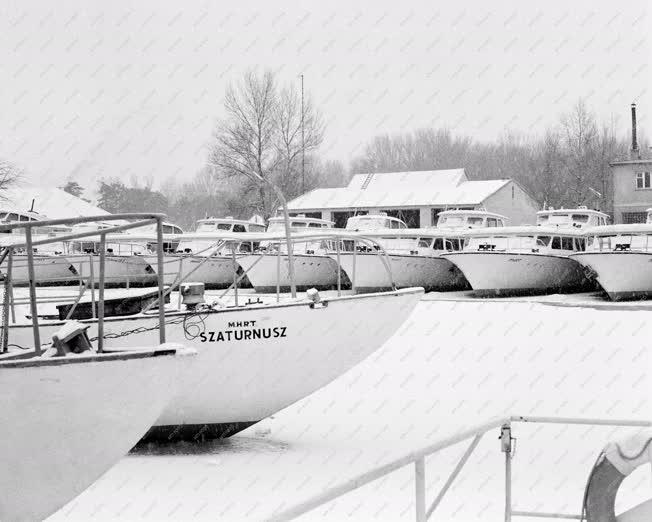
(414, 256)
(313, 267)
(620, 259)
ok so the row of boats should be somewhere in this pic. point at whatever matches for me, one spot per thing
(82, 385)
(566, 250)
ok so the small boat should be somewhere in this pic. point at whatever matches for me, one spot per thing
(619, 257)
(528, 260)
(49, 267)
(313, 267)
(203, 257)
(413, 255)
(70, 413)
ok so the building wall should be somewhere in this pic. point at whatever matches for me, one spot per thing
(512, 201)
(630, 202)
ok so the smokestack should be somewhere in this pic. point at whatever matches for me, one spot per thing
(634, 142)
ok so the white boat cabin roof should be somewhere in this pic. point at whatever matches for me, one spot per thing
(227, 224)
(374, 221)
(464, 219)
(301, 221)
(579, 217)
(614, 230)
(524, 230)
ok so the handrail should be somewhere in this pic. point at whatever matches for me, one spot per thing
(417, 458)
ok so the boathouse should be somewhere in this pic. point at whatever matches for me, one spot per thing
(416, 197)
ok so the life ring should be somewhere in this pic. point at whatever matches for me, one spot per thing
(615, 462)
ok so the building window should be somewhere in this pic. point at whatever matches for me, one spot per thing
(643, 180)
(634, 217)
(340, 218)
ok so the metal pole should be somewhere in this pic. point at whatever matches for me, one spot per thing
(11, 287)
(420, 489)
(5, 305)
(100, 296)
(161, 290)
(506, 448)
(278, 273)
(235, 274)
(353, 267)
(91, 274)
(303, 143)
(339, 269)
(32, 290)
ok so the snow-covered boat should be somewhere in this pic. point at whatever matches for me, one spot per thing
(313, 267)
(70, 413)
(413, 255)
(528, 259)
(49, 267)
(203, 257)
(620, 258)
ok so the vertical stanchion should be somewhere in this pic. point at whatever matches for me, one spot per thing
(235, 274)
(179, 281)
(420, 489)
(91, 275)
(32, 290)
(339, 270)
(100, 295)
(506, 448)
(10, 260)
(353, 267)
(6, 304)
(159, 270)
(278, 273)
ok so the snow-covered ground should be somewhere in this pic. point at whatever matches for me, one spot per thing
(455, 363)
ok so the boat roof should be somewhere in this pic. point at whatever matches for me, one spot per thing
(302, 218)
(374, 215)
(523, 230)
(477, 212)
(632, 228)
(576, 210)
(229, 220)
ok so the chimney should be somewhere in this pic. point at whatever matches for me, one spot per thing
(635, 153)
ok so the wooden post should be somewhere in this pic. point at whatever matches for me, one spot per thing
(100, 296)
(32, 290)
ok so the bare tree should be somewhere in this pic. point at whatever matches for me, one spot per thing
(260, 138)
(10, 175)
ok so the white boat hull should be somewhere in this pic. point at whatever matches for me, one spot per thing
(214, 272)
(623, 275)
(66, 421)
(504, 273)
(272, 356)
(310, 271)
(119, 270)
(50, 270)
(431, 273)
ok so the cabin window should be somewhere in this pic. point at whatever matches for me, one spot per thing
(556, 243)
(438, 244)
(580, 244)
(239, 228)
(580, 218)
(453, 244)
(314, 225)
(424, 242)
(492, 222)
(223, 226)
(643, 180)
(543, 218)
(567, 243)
(298, 224)
(476, 221)
(543, 241)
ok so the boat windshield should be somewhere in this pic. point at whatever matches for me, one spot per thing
(620, 242)
(365, 223)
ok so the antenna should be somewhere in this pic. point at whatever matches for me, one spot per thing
(31, 209)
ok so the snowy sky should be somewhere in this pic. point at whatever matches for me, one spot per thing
(125, 89)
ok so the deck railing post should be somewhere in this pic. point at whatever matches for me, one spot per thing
(278, 273)
(91, 275)
(100, 295)
(32, 290)
(420, 489)
(160, 276)
(6, 304)
(339, 269)
(235, 273)
(353, 267)
(506, 448)
(10, 262)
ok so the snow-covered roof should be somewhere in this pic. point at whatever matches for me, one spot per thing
(401, 189)
(50, 202)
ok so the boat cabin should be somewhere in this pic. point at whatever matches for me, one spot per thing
(228, 224)
(369, 222)
(620, 238)
(579, 217)
(465, 219)
(297, 223)
(527, 239)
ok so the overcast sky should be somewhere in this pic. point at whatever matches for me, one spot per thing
(94, 89)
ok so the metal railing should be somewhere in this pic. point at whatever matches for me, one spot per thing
(29, 245)
(417, 458)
